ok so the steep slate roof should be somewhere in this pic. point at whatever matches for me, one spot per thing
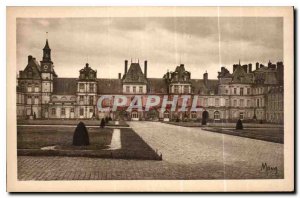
(157, 85)
(64, 86)
(199, 87)
(135, 74)
(241, 76)
(266, 75)
(47, 45)
(34, 67)
(109, 86)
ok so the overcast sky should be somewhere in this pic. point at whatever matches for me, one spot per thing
(201, 43)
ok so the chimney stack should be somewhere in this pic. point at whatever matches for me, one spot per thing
(250, 68)
(145, 68)
(126, 65)
(257, 66)
(29, 58)
(205, 78)
(119, 75)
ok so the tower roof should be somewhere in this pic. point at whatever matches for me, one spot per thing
(135, 74)
(47, 45)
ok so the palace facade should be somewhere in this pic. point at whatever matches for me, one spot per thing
(248, 93)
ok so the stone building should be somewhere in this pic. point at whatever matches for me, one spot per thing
(251, 94)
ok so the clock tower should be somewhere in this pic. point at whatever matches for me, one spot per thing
(48, 73)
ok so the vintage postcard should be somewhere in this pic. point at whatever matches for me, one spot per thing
(150, 99)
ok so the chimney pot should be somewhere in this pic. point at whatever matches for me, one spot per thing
(145, 68)
(126, 65)
(29, 58)
(119, 75)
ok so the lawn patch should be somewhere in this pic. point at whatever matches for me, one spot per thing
(31, 140)
(266, 134)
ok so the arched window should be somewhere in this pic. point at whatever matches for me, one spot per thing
(134, 114)
(63, 98)
(217, 115)
(54, 98)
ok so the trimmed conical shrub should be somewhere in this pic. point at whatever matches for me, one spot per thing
(239, 125)
(102, 123)
(81, 136)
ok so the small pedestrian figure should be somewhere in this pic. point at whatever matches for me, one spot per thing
(239, 125)
(102, 123)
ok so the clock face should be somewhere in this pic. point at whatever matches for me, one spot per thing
(45, 67)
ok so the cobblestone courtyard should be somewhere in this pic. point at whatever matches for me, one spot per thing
(188, 153)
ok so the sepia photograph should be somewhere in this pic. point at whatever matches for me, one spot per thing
(150, 96)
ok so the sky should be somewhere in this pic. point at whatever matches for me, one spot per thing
(200, 43)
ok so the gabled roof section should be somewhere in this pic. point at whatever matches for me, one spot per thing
(64, 86)
(241, 76)
(87, 73)
(180, 75)
(32, 70)
(135, 74)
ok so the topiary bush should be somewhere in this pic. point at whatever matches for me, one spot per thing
(81, 136)
(239, 125)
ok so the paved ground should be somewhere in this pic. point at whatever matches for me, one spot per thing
(188, 153)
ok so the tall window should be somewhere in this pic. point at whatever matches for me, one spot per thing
(186, 89)
(241, 102)
(36, 88)
(63, 111)
(217, 115)
(29, 88)
(91, 87)
(217, 102)
(91, 100)
(205, 102)
(53, 111)
(241, 91)
(36, 99)
(234, 91)
(241, 115)
(248, 103)
(127, 89)
(134, 89)
(140, 89)
(81, 87)
(81, 111)
(227, 102)
(176, 89)
(234, 103)
(257, 102)
(81, 98)
(28, 99)
(248, 91)
(72, 110)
